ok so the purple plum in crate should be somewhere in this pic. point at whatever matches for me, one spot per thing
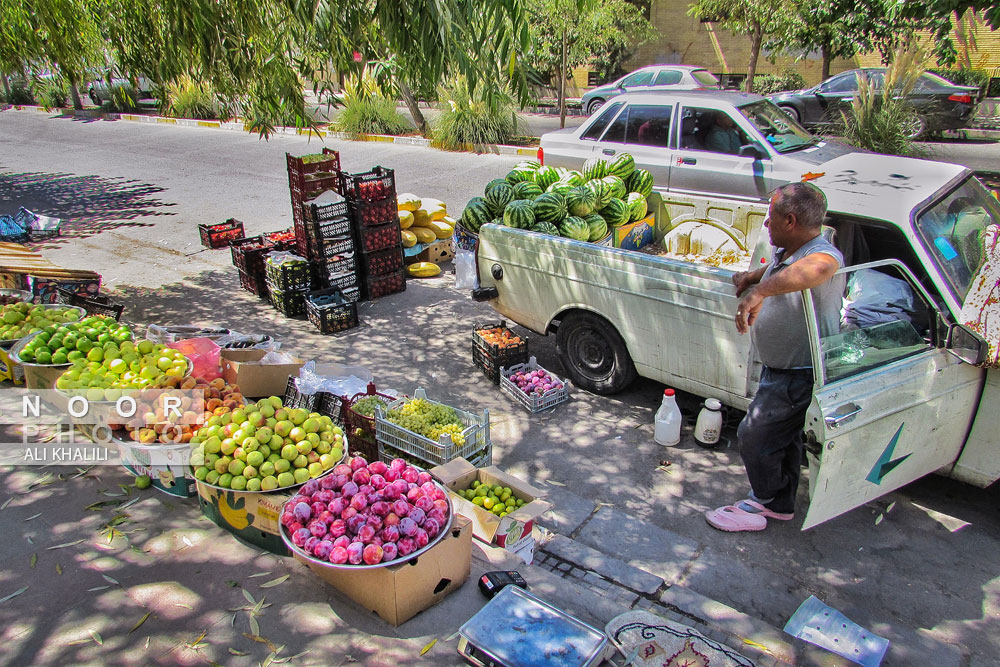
(381, 508)
(327, 517)
(390, 534)
(317, 508)
(432, 527)
(359, 501)
(423, 478)
(425, 503)
(377, 481)
(399, 465)
(300, 536)
(436, 515)
(421, 538)
(418, 515)
(355, 522)
(389, 551)
(390, 492)
(309, 488)
(361, 476)
(348, 513)
(302, 512)
(377, 468)
(410, 475)
(357, 463)
(342, 542)
(401, 508)
(391, 519)
(337, 528)
(318, 528)
(372, 554)
(355, 552)
(348, 490)
(408, 527)
(328, 482)
(310, 544)
(338, 555)
(323, 549)
(295, 526)
(366, 533)
(287, 519)
(391, 475)
(337, 506)
(406, 546)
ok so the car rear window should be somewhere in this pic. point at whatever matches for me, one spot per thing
(597, 127)
(667, 77)
(616, 132)
(648, 125)
(705, 78)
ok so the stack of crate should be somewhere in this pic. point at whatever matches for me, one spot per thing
(249, 255)
(375, 220)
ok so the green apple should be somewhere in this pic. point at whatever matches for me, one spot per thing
(269, 483)
(281, 414)
(323, 447)
(210, 460)
(276, 443)
(297, 434)
(301, 475)
(266, 469)
(254, 484)
(201, 473)
(275, 401)
(222, 464)
(238, 483)
(255, 419)
(236, 467)
(212, 477)
(283, 428)
(315, 469)
(282, 465)
(289, 452)
(310, 425)
(225, 480)
(239, 416)
(304, 447)
(286, 479)
(313, 438)
(250, 472)
(265, 451)
(250, 444)
(264, 434)
(255, 458)
(300, 461)
(297, 416)
(228, 446)
(270, 422)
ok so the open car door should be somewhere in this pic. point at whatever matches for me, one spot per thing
(892, 404)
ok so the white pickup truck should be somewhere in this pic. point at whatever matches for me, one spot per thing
(904, 388)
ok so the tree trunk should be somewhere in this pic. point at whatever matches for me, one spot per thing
(562, 80)
(825, 73)
(6, 87)
(411, 104)
(756, 38)
(75, 94)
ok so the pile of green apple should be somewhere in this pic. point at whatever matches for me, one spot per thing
(264, 446)
(17, 320)
(87, 339)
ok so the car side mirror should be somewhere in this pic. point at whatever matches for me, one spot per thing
(967, 345)
(751, 150)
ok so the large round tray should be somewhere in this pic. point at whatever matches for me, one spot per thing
(48, 306)
(65, 367)
(302, 555)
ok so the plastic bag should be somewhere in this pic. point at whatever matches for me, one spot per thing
(204, 356)
(240, 341)
(172, 332)
(275, 358)
(355, 380)
(279, 257)
(465, 270)
(875, 298)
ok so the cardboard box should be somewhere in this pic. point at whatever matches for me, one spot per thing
(635, 235)
(397, 593)
(256, 380)
(511, 532)
(250, 516)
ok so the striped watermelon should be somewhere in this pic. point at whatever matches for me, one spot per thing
(574, 178)
(526, 190)
(615, 212)
(622, 166)
(598, 227)
(616, 186)
(575, 228)
(580, 201)
(636, 206)
(549, 207)
(533, 165)
(515, 176)
(544, 227)
(640, 181)
(595, 167)
(476, 214)
(496, 221)
(602, 193)
(546, 176)
(495, 182)
(498, 197)
(560, 187)
(519, 213)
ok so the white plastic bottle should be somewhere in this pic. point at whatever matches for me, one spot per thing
(667, 423)
(709, 425)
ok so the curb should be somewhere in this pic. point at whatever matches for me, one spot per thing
(240, 127)
(972, 133)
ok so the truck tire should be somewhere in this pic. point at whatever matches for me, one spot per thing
(594, 354)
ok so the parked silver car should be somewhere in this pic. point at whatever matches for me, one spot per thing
(718, 143)
(650, 78)
(100, 92)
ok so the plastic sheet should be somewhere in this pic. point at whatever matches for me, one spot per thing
(204, 356)
(465, 270)
(337, 380)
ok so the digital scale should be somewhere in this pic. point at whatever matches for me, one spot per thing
(516, 629)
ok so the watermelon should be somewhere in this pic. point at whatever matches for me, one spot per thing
(574, 178)
(494, 183)
(532, 165)
(549, 207)
(546, 176)
(640, 181)
(580, 201)
(544, 227)
(616, 186)
(615, 212)
(496, 221)
(476, 214)
(622, 166)
(519, 213)
(515, 176)
(560, 187)
(602, 192)
(595, 167)
(526, 190)
(598, 227)
(498, 197)
(636, 206)
(575, 228)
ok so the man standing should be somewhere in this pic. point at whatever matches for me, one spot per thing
(770, 436)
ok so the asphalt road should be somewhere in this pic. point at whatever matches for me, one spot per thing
(132, 195)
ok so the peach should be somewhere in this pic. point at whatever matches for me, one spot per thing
(217, 383)
(189, 383)
(147, 436)
(212, 403)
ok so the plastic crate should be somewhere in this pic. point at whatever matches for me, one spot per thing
(464, 239)
(296, 399)
(373, 185)
(325, 249)
(255, 283)
(352, 293)
(282, 240)
(386, 454)
(531, 402)
(221, 234)
(248, 254)
(330, 228)
(11, 232)
(491, 358)
(298, 167)
(344, 262)
(323, 212)
(331, 405)
(380, 237)
(375, 213)
(340, 281)
(381, 262)
(361, 428)
(302, 190)
(379, 286)
(288, 303)
(95, 305)
(476, 434)
(288, 276)
(330, 311)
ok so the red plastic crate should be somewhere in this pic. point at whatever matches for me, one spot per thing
(248, 254)
(220, 235)
(384, 236)
(381, 262)
(379, 286)
(373, 185)
(254, 283)
(374, 213)
(299, 170)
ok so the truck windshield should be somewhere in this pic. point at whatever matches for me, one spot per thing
(776, 127)
(952, 231)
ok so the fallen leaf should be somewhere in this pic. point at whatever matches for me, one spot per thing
(186, 541)
(755, 644)
(33, 516)
(248, 597)
(6, 502)
(110, 580)
(96, 507)
(181, 604)
(99, 588)
(59, 569)
(233, 651)
(451, 636)
(268, 660)
(96, 637)
(34, 560)
(197, 642)
(232, 621)
(14, 594)
(275, 582)
(260, 640)
(889, 508)
(63, 546)
(231, 583)
(147, 641)
(551, 481)
(141, 621)
(879, 518)
(259, 574)
(257, 607)
(429, 646)
(254, 626)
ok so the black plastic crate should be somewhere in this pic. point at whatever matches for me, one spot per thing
(331, 405)
(248, 254)
(296, 399)
(326, 229)
(341, 281)
(254, 283)
(344, 262)
(94, 305)
(379, 286)
(381, 237)
(221, 234)
(352, 293)
(381, 262)
(374, 213)
(288, 276)
(289, 303)
(330, 311)
(503, 353)
(323, 212)
(373, 185)
(325, 249)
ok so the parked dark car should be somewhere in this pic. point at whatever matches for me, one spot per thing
(939, 104)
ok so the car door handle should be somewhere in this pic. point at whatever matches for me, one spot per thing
(842, 414)
(688, 160)
(608, 151)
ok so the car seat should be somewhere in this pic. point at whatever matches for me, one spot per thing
(689, 134)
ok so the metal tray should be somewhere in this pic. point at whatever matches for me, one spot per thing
(50, 306)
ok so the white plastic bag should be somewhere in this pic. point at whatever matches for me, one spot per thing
(275, 358)
(465, 270)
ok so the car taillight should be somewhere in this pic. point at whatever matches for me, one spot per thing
(964, 98)
(541, 156)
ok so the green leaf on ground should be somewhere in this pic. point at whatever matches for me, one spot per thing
(140, 622)
(98, 588)
(275, 582)
(33, 516)
(96, 637)
(231, 583)
(59, 569)
(249, 597)
(99, 505)
(233, 651)
(34, 560)
(6, 502)
(14, 594)
(110, 580)
(63, 546)
(254, 626)
(429, 646)
(259, 574)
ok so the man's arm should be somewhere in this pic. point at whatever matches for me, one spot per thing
(810, 271)
(743, 280)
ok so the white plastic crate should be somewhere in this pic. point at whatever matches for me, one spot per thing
(549, 399)
(479, 459)
(476, 433)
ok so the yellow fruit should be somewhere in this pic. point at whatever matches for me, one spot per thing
(421, 218)
(424, 270)
(407, 202)
(451, 222)
(423, 234)
(409, 238)
(441, 230)
(405, 219)
(435, 207)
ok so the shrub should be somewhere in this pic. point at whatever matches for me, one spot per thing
(965, 77)
(20, 93)
(52, 93)
(367, 110)
(768, 84)
(468, 118)
(122, 98)
(187, 98)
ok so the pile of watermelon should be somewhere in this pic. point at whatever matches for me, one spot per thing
(580, 205)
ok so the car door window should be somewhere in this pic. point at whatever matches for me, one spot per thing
(648, 125)
(597, 127)
(616, 131)
(710, 130)
(842, 84)
(667, 77)
(637, 79)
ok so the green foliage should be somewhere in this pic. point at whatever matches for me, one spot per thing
(52, 93)
(939, 17)
(467, 117)
(187, 98)
(883, 123)
(122, 98)
(367, 110)
(965, 77)
(789, 79)
(20, 93)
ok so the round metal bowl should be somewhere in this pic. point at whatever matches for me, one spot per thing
(48, 306)
(303, 556)
(21, 294)
(67, 396)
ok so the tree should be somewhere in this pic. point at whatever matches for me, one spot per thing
(940, 16)
(756, 18)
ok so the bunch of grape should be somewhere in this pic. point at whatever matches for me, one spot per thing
(366, 406)
(428, 419)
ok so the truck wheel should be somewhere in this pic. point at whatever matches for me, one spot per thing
(594, 354)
